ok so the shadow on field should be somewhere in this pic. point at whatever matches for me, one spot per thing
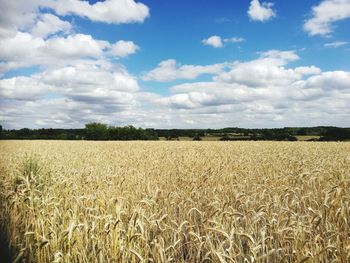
(5, 254)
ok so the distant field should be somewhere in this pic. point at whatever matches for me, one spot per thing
(80, 201)
(217, 138)
(307, 137)
(204, 138)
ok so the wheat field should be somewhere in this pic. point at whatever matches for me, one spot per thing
(79, 201)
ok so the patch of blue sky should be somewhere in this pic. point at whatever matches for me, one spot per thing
(52, 96)
(27, 71)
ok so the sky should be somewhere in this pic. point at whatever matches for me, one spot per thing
(174, 64)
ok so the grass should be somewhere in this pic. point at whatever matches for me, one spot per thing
(175, 201)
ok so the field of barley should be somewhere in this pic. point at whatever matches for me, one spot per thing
(79, 201)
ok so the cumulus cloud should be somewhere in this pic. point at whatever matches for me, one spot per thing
(332, 80)
(49, 24)
(24, 50)
(82, 81)
(264, 91)
(267, 70)
(218, 42)
(109, 11)
(19, 15)
(261, 11)
(19, 46)
(29, 37)
(123, 48)
(214, 41)
(78, 45)
(336, 44)
(169, 70)
(88, 79)
(325, 14)
(307, 70)
(23, 88)
(77, 80)
(208, 94)
(23, 15)
(62, 112)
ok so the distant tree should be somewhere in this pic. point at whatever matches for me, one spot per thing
(292, 138)
(24, 133)
(197, 138)
(150, 134)
(201, 133)
(336, 134)
(302, 131)
(96, 131)
(172, 137)
(225, 138)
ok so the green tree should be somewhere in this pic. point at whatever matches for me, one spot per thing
(96, 131)
(197, 138)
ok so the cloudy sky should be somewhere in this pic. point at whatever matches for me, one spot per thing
(174, 64)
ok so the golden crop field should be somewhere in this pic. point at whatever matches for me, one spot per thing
(70, 201)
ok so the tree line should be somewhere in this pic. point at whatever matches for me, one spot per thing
(92, 131)
(100, 131)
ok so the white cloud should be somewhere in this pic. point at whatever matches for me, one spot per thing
(218, 42)
(24, 15)
(123, 48)
(214, 41)
(208, 94)
(89, 78)
(49, 24)
(78, 45)
(262, 92)
(61, 112)
(332, 80)
(325, 14)
(79, 83)
(261, 12)
(307, 70)
(17, 15)
(76, 81)
(19, 47)
(234, 40)
(336, 44)
(29, 37)
(24, 50)
(71, 96)
(23, 88)
(109, 11)
(267, 70)
(169, 70)
(83, 81)
(280, 57)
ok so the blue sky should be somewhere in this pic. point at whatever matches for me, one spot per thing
(175, 64)
(175, 29)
